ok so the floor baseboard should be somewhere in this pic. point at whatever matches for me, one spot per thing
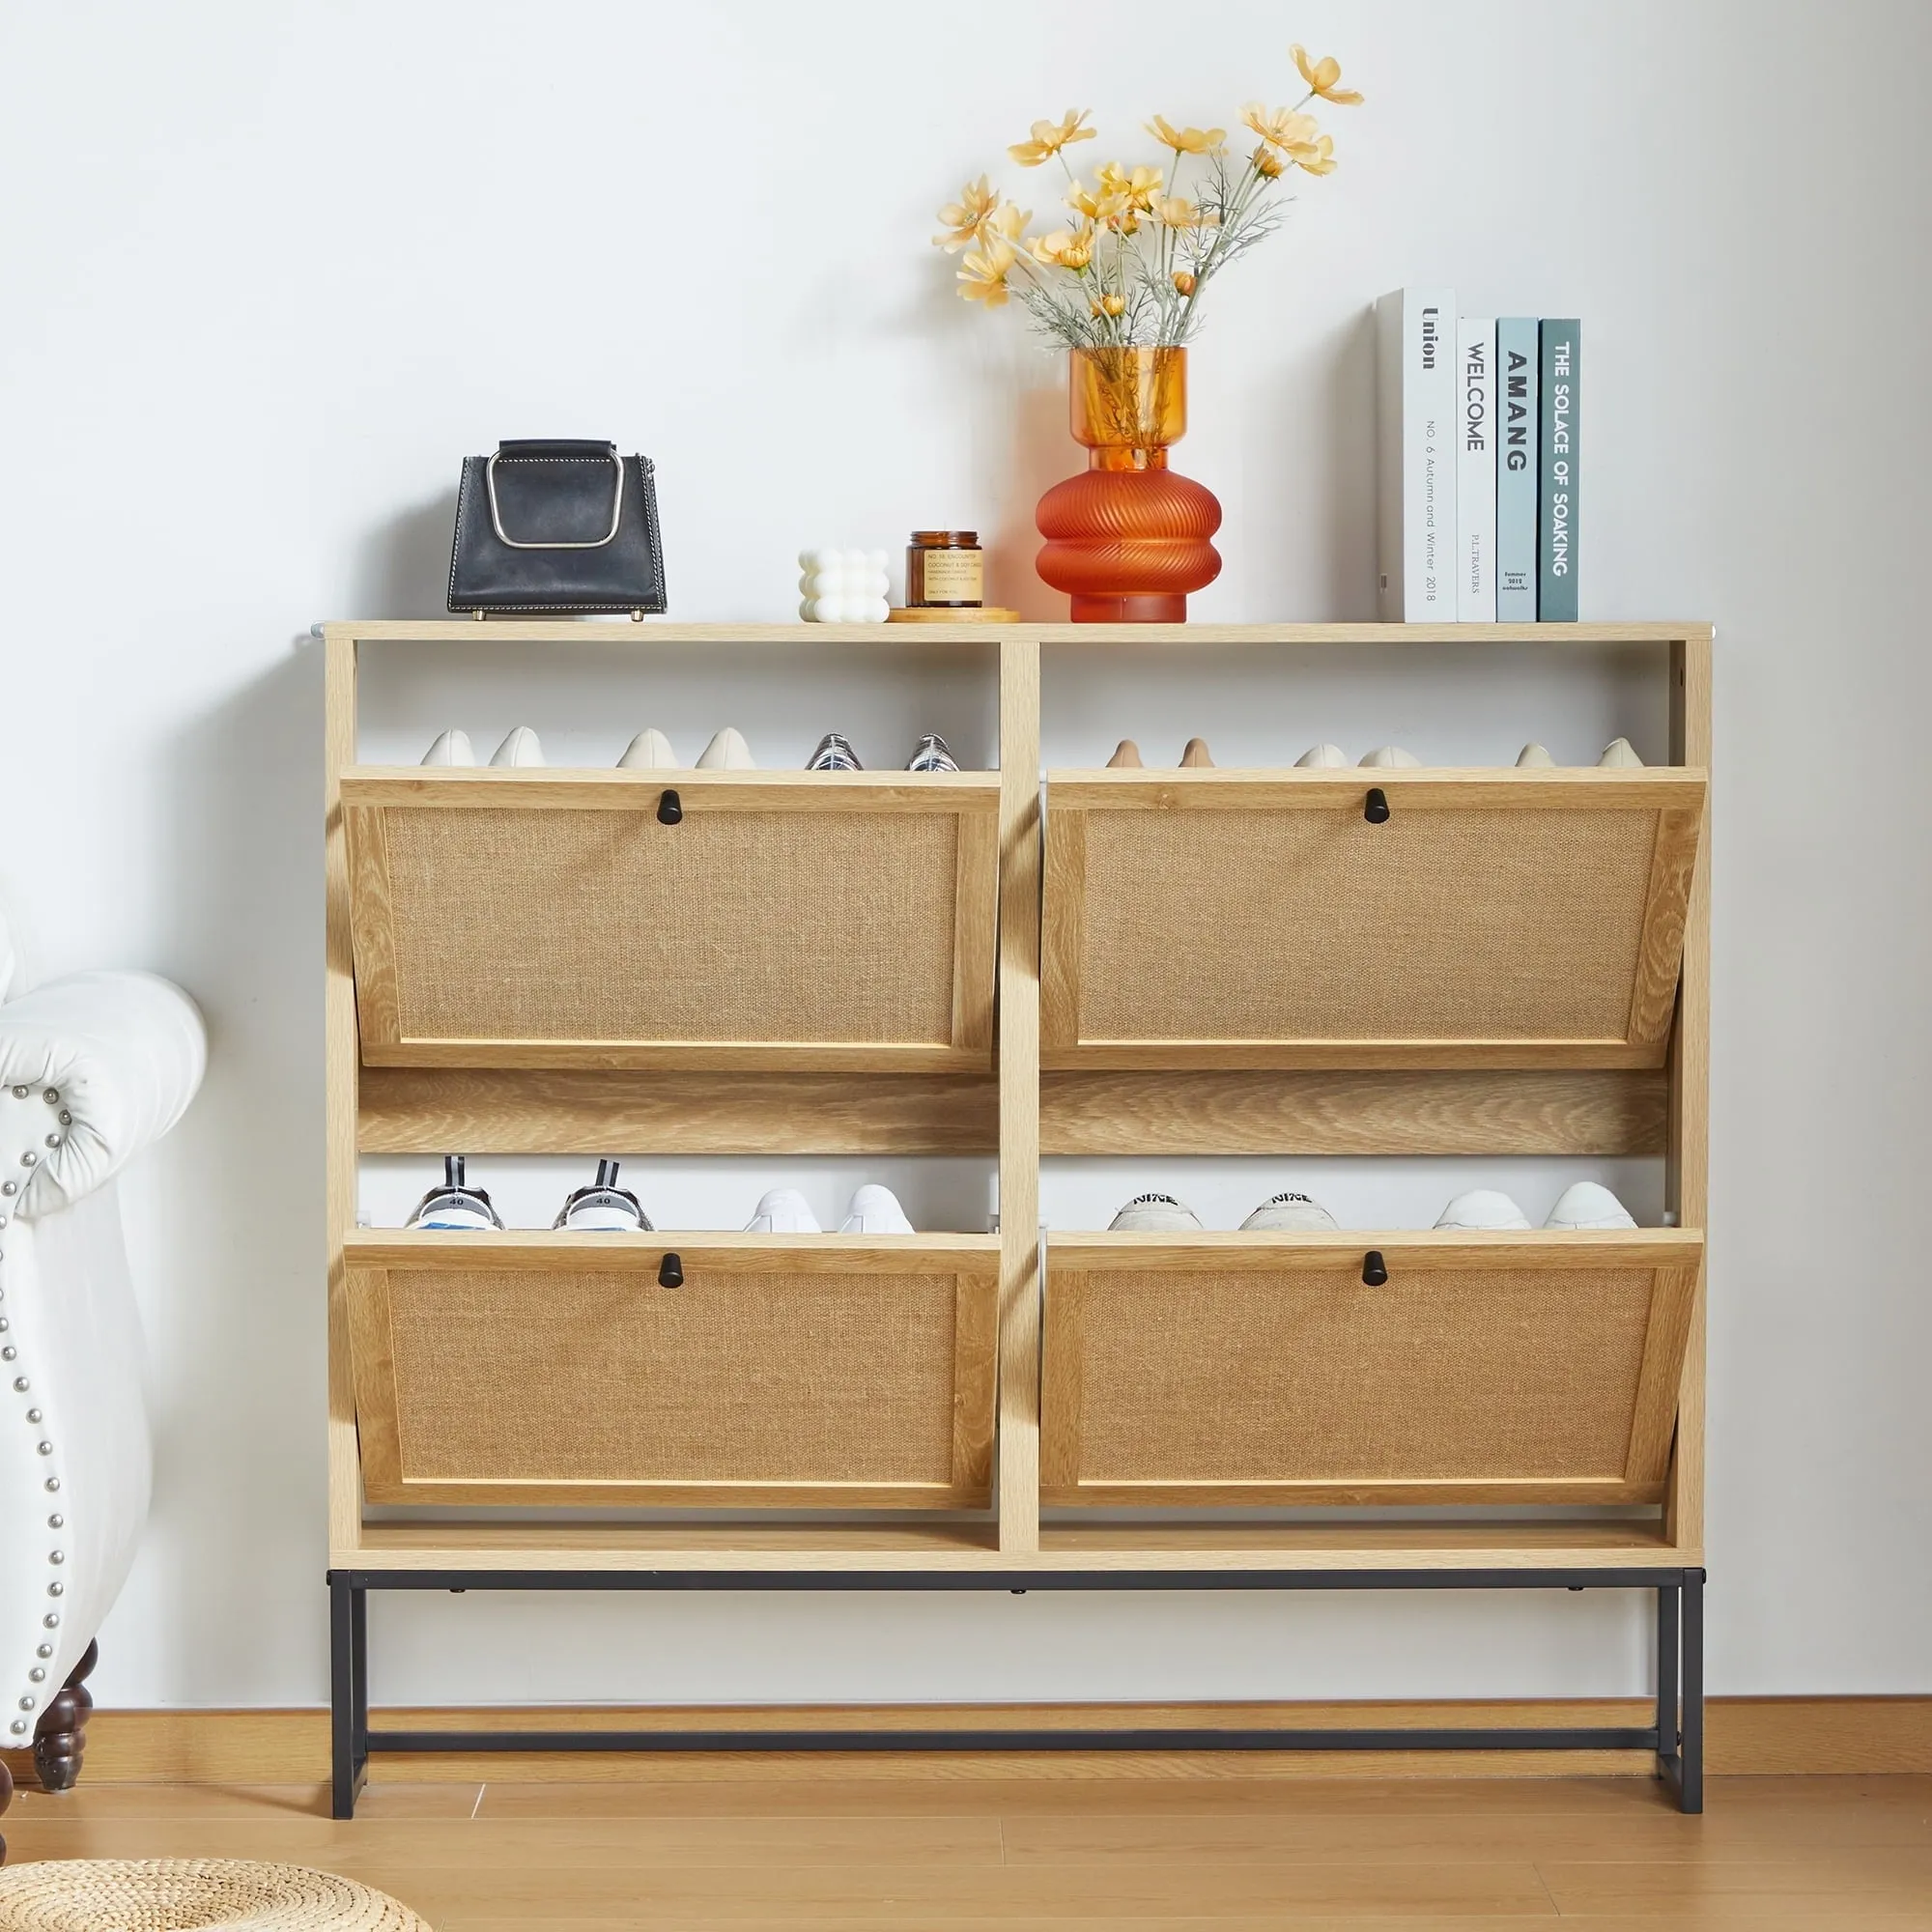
(1745, 1736)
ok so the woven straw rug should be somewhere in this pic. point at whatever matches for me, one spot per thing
(185, 1894)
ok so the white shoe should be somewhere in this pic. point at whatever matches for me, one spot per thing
(1588, 1205)
(1289, 1213)
(1482, 1208)
(875, 1210)
(1322, 758)
(1154, 1214)
(648, 751)
(785, 1211)
(455, 1207)
(727, 751)
(453, 748)
(520, 747)
(1391, 754)
(1620, 755)
(1534, 756)
(603, 1207)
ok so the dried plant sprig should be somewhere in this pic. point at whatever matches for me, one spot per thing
(1128, 269)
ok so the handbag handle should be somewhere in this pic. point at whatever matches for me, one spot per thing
(556, 452)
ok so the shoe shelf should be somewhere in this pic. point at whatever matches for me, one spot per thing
(774, 1371)
(1363, 1368)
(1399, 918)
(1368, 962)
(699, 920)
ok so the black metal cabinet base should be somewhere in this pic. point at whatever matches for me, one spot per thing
(1676, 1736)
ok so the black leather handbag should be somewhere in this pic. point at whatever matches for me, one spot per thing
(562, 525)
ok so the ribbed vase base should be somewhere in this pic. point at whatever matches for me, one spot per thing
(1128, 610)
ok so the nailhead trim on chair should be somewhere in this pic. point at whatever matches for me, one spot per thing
(35, 1417)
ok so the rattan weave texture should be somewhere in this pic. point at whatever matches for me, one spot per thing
(184, 1894)
(604, 925)
(587, 1377)
(1313, 925)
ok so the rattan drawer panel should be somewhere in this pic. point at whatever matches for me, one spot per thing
(1220, 919)
(555, 920)
(541, 1369)
(1213, 1369)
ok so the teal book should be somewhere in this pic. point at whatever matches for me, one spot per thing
(1517, 392)
(1556, 466)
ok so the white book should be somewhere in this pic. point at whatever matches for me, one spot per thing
(1415, 395)
(1476, 470)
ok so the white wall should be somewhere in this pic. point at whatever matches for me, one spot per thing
(272, 270)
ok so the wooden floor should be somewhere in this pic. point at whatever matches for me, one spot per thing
(1157, 1854)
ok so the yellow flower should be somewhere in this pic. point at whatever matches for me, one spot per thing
(1008, 224)
(1137, 190)
(983, 275)
(1097, 206)
(1050, 137)
(1267, 162)
(1322, 76)
(1186, 140)
(1176, 211)
(1283, 129)
(1183, 282)
(1111, 305)
(1318, 159)
(965, 217)
(1064, 248)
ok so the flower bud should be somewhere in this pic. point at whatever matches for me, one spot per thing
(1114, 304)
(1183, 282)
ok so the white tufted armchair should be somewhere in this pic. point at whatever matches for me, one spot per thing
(92, 1069)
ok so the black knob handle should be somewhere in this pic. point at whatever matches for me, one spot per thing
(670, 810)
(670, 1272)
(1375, 1270)
(1376, 806)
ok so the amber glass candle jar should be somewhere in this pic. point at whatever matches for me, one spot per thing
(945, 570)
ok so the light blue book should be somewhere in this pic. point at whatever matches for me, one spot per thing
(1516, 417)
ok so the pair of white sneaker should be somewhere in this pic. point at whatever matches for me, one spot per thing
(648, 751)
(874, 1211)
(1618, 754)
(1584, 1206)
(1287, 1213)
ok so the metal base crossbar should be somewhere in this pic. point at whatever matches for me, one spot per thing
(1676, 1738)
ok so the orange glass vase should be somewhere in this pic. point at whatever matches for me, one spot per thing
(1127, 539)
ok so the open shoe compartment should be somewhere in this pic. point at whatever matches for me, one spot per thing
(690, 920)
(724, 1371)
(1356, 1368)
(1365, 917)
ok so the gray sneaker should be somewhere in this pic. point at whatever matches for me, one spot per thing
(835, 753)
(1289, 1213)
(455, 1207)
(932, 754)
(1154, 1214)
(603, 1207)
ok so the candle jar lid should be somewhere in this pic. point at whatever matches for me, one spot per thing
(946, 539)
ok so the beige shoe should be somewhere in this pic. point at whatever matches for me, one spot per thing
(1126, 757)
(1322, 758)
(1534, 756)
(520, 747)
(648, 751)
(453, 748)
(1482, 1208)
(727, 751)
(1620, 755)
(1391, 755)
(1195, 759)
(1589, 1205)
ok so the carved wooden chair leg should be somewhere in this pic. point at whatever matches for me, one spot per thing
(60, 1738)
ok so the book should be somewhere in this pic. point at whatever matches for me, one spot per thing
(1517, 394)
(1556, 467)
(1476, 470)
(1415, 395)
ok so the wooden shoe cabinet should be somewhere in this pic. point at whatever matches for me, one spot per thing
(1495, 963)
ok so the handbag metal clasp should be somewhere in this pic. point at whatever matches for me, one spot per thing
(596, 542)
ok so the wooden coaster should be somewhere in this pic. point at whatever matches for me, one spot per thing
(985, 613)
